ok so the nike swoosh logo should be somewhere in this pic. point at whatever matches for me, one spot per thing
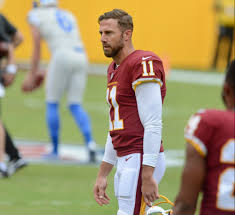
(128, 158)
(145, 58)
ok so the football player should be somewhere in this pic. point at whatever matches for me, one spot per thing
(10, 38)
(135, 92)
(67, 71)
(209, 166)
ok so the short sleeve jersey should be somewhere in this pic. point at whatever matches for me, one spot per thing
(7, 30)
(58, 28)
(212, 134)
(125, 127)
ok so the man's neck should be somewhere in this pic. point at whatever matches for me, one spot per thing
(123, 54)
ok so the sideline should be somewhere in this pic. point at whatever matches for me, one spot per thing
(76, 154)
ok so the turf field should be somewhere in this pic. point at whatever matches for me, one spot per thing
(67, 190)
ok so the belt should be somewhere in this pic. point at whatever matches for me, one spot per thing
(78, 49)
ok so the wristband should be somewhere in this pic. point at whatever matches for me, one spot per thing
(150, 160)
(11, 69)
(110, 161)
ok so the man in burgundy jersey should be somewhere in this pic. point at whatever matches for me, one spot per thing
(209, 167)
(135, 93)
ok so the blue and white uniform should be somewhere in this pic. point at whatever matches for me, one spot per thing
(67, 69)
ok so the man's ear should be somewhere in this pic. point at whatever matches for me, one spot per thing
(127, 34)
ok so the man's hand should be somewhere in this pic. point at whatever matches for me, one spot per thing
(149, 186)
(33, 81)
(39, 79)
(4, 49)
(28, 83)
(100, 191)
(8, 79)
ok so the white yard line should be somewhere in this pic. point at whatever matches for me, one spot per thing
(194, 77)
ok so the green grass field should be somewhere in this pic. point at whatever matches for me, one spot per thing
(67, 190)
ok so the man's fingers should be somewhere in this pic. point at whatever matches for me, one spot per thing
(152, 198)
(101, 192)
(100, 196)
(101, 200)
(96, 196)
(104, 200)
(155, 196)
(8, 79)
(147, 201)
(98, 201)
(103, 197)
(106, 196)
(27, 86)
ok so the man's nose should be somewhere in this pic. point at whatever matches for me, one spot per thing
(103, 38)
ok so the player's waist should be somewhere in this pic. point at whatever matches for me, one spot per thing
(78, 49)
(132, 148)
(64, 48)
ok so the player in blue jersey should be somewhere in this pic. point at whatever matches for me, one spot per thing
(67, 71)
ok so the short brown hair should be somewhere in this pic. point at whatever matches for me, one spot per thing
(124, 19)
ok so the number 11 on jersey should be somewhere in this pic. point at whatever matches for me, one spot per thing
(116, 123)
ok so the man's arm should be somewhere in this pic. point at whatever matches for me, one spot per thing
(109, 160)
(36, 49)
(191, 182)
(101, 184)
(11, 68)
(2, 142)
(149, 103)
(17, 39)
(110, 154)
(29, 83)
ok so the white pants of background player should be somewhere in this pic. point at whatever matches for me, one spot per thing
(127, 185)
(67, 73)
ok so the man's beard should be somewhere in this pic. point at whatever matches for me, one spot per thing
(115, 50)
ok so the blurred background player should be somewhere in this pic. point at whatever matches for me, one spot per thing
(225, 18)
(10, 38)
(67, 70)
(135, 92)
(210, 158)
(3, 166)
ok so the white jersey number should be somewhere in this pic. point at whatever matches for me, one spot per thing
(64, 21)
(116, 123)
(226, 187)
(145, 70)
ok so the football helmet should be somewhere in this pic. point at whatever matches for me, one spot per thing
(38, 3)
(155, 209)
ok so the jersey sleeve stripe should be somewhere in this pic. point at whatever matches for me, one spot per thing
(145, 80)
(197, 144)
(112, 83)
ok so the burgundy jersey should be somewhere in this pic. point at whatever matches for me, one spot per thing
(125, 126)
(211, 132)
